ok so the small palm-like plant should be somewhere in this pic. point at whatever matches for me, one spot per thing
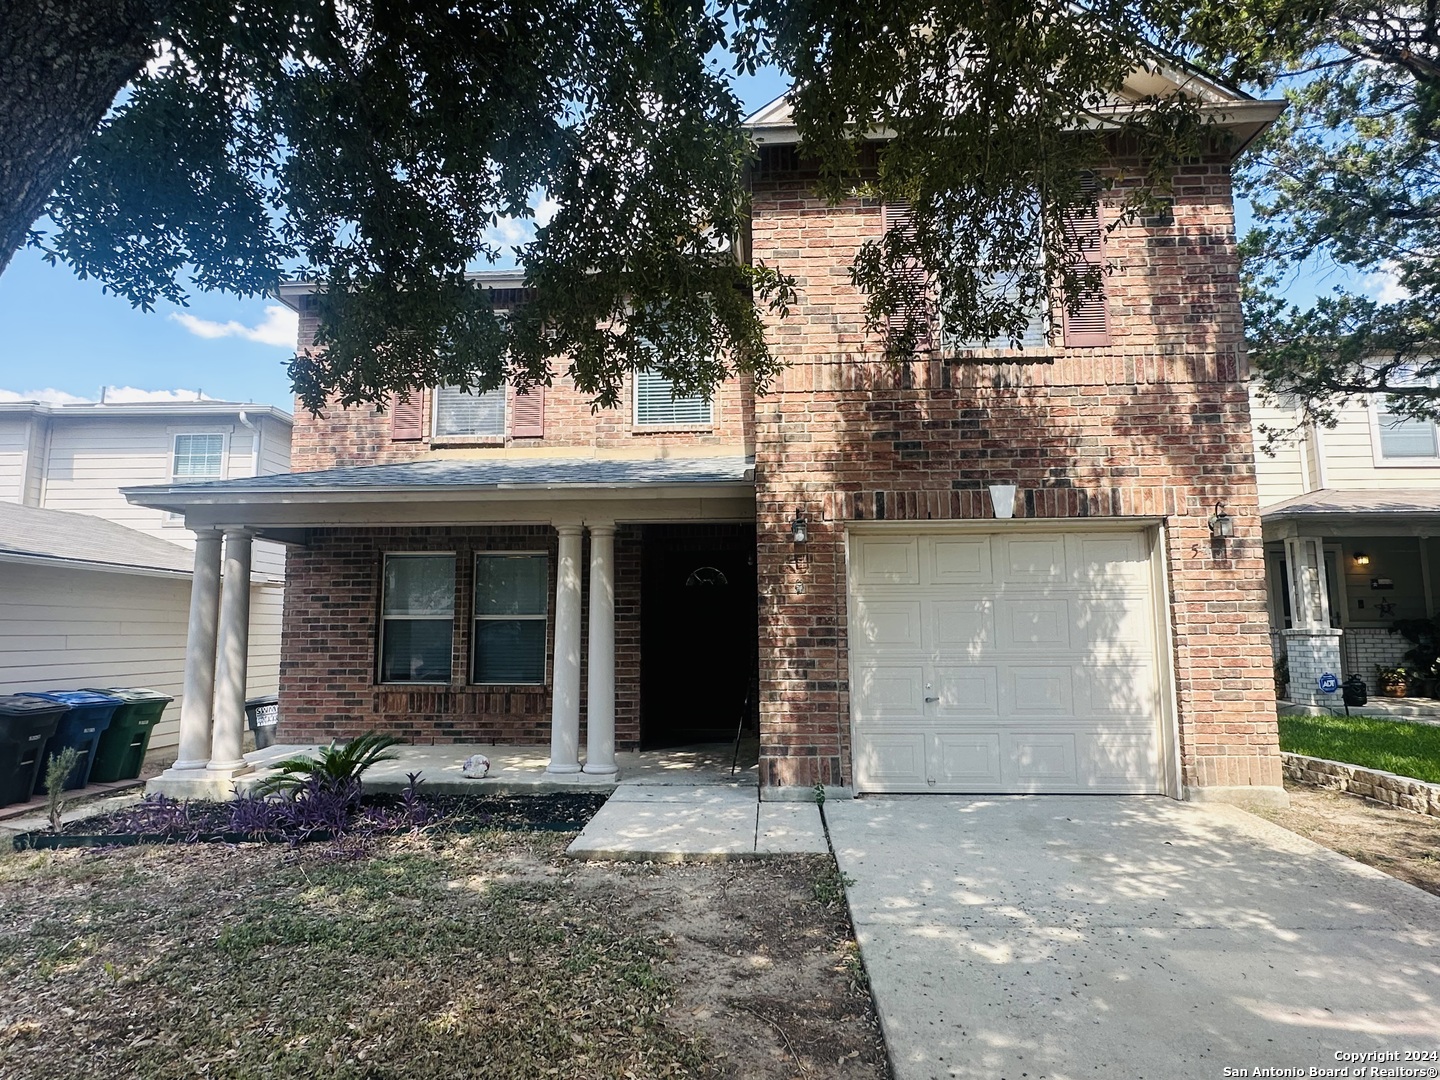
(337, 768)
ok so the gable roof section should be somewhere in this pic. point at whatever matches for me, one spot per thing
(1246, 116)
(34, 535)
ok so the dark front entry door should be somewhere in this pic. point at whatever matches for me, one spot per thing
(698, 633)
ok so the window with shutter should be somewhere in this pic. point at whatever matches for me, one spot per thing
(407, 417)
(527, 414)
(460, 413)
(1089, 324)
(656, 404)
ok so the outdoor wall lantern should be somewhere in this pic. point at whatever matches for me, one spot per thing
(1222, 525)
(799, 528)
(1361, 559)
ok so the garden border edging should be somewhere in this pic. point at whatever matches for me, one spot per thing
(1401, 792)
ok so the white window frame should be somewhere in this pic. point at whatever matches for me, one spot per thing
(472, 438)
(383, 618)
(707, 424)
(543, 617)
(173, 519)
(1378, 448)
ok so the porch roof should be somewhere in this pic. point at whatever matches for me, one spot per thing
(464, 490)
(1336, 511)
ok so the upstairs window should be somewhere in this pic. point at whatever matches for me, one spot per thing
(511, 594)
(656, 404)
(417, 618)
(1402, 437)
(198, 457)
(459, 413)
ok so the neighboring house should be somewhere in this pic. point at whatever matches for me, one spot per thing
(518, 569)
(95, 591)
(1357, 508)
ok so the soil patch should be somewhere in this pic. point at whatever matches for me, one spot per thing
(1402, 844)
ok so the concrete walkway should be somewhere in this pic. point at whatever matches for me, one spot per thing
(1054, 938)
(667, 823)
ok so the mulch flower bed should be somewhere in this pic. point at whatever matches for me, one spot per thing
(317, 813)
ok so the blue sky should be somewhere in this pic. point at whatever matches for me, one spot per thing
(63, 337)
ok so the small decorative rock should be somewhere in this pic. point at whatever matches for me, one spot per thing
(476, 767)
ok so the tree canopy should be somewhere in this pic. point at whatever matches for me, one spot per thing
(1349, 177)
(372, 146)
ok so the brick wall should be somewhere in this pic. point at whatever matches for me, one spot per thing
(328, 684)
(361, 435)
(1366, 648)
(1154, 425)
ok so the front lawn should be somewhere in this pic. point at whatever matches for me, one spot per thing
(1392, 745)
(488, 955)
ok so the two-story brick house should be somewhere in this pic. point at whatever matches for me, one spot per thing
(986, 570)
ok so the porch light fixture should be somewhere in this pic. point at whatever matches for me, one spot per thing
(799, 528)
(1222, 525)
(1361, 559)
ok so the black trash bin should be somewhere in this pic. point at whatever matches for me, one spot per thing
(263, 713)
(26, 724)
(122, 747)
(81, 727)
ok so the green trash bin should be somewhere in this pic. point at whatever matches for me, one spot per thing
(122, 747)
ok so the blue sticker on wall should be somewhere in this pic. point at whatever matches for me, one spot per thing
(1329, 683)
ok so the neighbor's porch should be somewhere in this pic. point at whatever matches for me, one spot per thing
(1342, 568)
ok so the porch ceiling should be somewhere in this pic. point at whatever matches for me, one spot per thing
(1366, 512)
(466, 491)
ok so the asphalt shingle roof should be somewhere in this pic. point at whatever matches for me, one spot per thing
(1368, 501)
(487, 473)
(56, 534)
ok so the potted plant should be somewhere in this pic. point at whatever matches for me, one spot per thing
(1422, 661)
(1394, 681)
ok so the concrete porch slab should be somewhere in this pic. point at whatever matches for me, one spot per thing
(514, 770)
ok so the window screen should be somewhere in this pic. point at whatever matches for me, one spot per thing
(460, 413)
(417, 618)
(511, 593)
(1403, 437)
(657, 406)
(198, 456)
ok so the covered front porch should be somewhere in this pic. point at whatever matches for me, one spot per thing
(1342, 569)
(488, 601)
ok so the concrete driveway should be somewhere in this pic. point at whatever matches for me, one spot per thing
(1054, 938)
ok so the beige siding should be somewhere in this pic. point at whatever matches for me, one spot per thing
(1351, 456)
(1280, 473)
(14, 444)
(63, 629)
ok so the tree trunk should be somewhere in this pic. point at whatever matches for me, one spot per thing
(62, 63)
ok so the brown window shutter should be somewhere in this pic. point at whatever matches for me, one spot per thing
(1088, 325)
(915, 304)
(527, 414)
(407, 417)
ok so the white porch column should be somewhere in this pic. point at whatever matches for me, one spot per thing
(1312, 646)
(197, 709)
(565, 701)
(226, 757)
(600, 695)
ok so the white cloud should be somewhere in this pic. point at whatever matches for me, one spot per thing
(278, 328)
(129, 395)
(545, 210)
(49, 395)
(1385, 285)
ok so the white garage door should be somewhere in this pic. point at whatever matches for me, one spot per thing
(1003, 662)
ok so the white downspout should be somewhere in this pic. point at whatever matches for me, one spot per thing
(254, 443)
